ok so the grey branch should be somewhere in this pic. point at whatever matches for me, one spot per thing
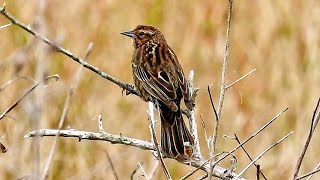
(119, 139)
(192, 119)
(85, 135)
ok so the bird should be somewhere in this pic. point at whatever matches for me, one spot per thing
(158, 77)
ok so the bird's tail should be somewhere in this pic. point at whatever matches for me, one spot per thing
(176, 140)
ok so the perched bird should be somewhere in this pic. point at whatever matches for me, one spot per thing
(158, 77)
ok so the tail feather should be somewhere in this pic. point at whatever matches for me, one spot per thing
(174, 133)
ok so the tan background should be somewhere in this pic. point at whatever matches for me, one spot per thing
(281, 39)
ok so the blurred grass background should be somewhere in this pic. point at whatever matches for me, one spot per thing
(281, 39)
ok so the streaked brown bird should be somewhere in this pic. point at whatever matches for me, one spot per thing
(158, 77)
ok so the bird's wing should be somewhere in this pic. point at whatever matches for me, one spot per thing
(157, 83)
(183, 84)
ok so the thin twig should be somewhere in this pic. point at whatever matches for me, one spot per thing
(112, 167)
(317, 167)
(135, 170)
(100, 123)
(144, 172)
(154, 169)
(223, 80)
(314, 123)
(216, 128)
(258, 171)
(67, 103)
(208, 139)
(264, 152)
(8, 83)
(56, 77)
(257, 166)
(225, 60)
(246, 75)
(252, 136)
(4, 26)
(198, 168)
(309, 174)
(130, 88)
(155, 141)
(213, 142)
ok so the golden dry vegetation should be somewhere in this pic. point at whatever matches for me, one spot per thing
(281, 39)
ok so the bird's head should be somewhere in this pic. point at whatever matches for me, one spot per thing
(145, 34)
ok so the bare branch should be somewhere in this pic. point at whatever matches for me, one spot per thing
(154, 169)
(314, 123)
(4, 26)
(223, 81)
(246, 75)
(135, 170)
(252, 136)
(144, 172)
(56, 77)
(8, 83)
(155, 141)
(114, 139)
(130, 88)
(192, 119)
(257, 166)
(264, 152)
(225, 61)
(310, 175)
(198, 168)
(208, 139)
(67, 103)
(112, 167)
(216, 128)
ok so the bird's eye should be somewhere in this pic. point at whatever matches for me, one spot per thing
(141, 34)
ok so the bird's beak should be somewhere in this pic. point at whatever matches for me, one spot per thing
(128, 33)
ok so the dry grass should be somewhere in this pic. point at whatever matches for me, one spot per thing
(281, 39)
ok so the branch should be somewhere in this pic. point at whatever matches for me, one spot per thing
(314, 123)
(8, 83)
(252, 136)
(192, 119)
(85, 135)
(67, 103)
(257, 166)
(144, 172)
(130, 88)
(215, 132)
(155, 141)
(112, 167)
(223, 79)
(317, 169)
(225, 61)
(119, 139)
(246, 75)
(56, 77)
(264, 152)
(135, 170)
